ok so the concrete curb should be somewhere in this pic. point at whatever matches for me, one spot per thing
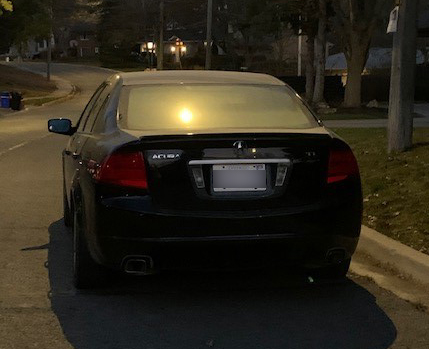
(388, 251)
(64, 90)
(74, 91)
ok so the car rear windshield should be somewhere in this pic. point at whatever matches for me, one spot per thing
(205, 107)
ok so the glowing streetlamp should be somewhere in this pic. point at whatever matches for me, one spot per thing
(150, 46)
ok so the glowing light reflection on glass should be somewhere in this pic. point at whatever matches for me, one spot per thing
(185, 115)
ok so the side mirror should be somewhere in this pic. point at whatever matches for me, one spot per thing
(61, 126)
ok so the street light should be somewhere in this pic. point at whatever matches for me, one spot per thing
(178, 49)
(150, 45)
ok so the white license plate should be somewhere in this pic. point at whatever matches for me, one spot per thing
(239, 178)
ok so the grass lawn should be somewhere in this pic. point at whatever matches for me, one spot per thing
(40, 101)
(395, 187)
(29, 84)
(356, 114)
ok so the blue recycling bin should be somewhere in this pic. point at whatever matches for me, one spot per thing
(5, 100)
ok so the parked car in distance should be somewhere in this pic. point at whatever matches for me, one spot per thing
(207, 170)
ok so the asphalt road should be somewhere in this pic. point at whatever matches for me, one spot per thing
(39, 308)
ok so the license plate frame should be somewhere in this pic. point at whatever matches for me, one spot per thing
(239, 178)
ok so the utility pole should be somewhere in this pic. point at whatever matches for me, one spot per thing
(160, 46)
(401, 101)
(49, 58)
(209, 34)
(49, 43)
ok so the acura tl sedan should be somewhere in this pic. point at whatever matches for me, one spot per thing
(206, 170)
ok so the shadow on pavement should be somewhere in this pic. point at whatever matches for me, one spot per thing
(220, 310)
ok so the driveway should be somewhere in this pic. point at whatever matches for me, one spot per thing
(39, 308)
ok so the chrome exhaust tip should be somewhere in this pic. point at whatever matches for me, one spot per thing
(138, 265)
(336, 256)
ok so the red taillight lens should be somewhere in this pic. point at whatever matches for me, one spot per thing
(124, 169)
(342, 164)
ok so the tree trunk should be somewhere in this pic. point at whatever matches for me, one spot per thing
(320, 55)
(355, 65)
(309, 70)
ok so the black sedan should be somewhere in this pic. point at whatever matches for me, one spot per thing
(205, 170)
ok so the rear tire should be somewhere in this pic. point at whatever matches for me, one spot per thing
(87, 273)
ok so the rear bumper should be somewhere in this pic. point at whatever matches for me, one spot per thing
(176, 240)
(228, 253)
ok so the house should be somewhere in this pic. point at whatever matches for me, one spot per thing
(83, 41)
(31, 49)
(180, 43)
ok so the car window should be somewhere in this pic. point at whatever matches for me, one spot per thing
(90, 106)
(89, 123)
(99, 119)
(202, 107)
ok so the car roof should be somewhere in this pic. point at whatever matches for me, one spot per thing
(197, 77)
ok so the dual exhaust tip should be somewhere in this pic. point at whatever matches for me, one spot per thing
(138, 265)
(336, 256)
(143, 265)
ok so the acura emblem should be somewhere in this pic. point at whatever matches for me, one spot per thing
(240, 145)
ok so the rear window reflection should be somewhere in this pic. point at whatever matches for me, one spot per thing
(196, 107)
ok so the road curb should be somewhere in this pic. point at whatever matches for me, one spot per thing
(388, 251)
(75, 91)
(64, 91)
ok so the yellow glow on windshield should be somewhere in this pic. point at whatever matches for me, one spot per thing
(185, 115)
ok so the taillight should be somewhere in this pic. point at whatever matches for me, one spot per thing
(123, 169)
(342, 164)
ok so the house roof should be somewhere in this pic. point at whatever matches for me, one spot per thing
(378, 58)
(187, 34)
(83, 27)
(197, 77)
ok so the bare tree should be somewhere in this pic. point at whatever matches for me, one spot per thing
(354, 23)
(303, 15)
